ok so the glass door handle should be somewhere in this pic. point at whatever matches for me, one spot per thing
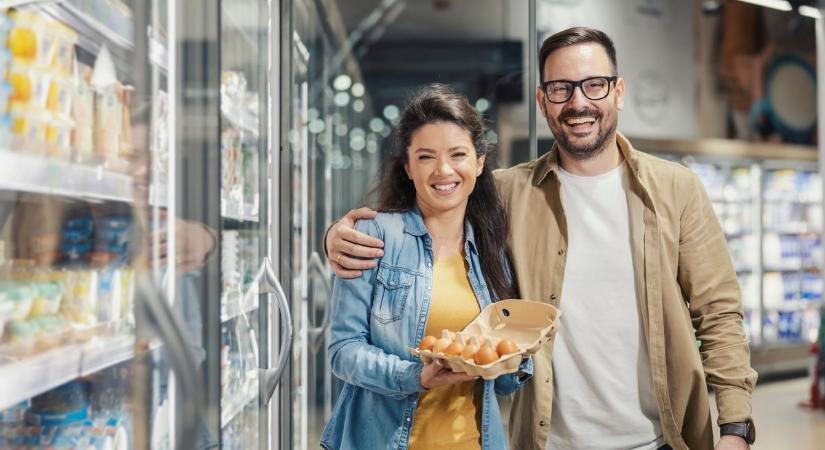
(318, 271)
(271, 377)
(170, 329)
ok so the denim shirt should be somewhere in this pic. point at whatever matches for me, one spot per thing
(375, 318)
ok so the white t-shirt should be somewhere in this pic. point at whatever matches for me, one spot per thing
(603, 388)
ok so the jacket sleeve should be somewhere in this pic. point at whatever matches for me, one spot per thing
(509, 383)
(708, 282)
(353, 358)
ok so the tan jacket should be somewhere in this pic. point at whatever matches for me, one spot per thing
(685, 281)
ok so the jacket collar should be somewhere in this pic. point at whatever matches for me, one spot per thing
(549, 163)
(414, 225)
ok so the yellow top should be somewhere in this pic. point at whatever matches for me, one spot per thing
(449, 417)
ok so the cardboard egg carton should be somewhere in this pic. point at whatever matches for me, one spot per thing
(528, 324)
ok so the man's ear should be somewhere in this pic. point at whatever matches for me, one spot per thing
(620, 94)
(540, 101)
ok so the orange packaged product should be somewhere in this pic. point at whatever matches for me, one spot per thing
(107, 124)
(59, 98)
(29, 128)
(29, 84)
(59, 137)
(83, 114)
(23, 40)
(63, 54)
(34, 37)
(127, 148)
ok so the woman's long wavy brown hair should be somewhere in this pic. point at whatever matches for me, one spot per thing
(395, 192)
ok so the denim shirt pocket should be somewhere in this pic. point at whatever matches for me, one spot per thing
(391, 292)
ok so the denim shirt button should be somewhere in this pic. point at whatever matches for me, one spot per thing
(408, 419)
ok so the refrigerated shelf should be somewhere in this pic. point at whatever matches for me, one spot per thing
(37, 374)
(158, 195)
(92, 33)
(38, 174)
(234, 406)
(28, 377)
(235, 305)
(99, 354)
(236, 211)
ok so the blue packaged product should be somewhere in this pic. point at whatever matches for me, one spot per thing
(14, 414)
(113, 223)
(74, 236)
(64, 405)
(112, 236)
(80, 224)
(57, 418)
(74, 251)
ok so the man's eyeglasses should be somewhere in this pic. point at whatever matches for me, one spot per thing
(594, 88)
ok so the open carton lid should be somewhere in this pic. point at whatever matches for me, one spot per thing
(529, 324)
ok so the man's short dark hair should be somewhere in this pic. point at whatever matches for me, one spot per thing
(573, 36)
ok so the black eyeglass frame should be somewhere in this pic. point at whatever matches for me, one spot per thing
(578, 84)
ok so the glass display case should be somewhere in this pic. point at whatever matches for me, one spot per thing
(80, 264)
(768, 199)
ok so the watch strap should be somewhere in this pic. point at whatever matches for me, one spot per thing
(741, 429)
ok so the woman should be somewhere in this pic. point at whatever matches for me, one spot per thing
(444, 260)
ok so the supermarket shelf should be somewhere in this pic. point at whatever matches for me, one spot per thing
(792, 229)
(234, 305)
(243, 121)
(793, 200)
(38, 174)
(5, 4)
(240, 217)
(45, 371)
(234, 406)
(236, 211)
(99, 354)
(158, 195)
(728, 148)
(769, 269)
(775, 358)
(34, 375)
(93, 34)
(37, 374)
(795, 305)
(737, 201)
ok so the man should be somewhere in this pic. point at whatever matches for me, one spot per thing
(628, 246)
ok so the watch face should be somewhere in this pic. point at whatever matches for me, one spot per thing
(751, 432)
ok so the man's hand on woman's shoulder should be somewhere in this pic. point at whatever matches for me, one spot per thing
(349, 251)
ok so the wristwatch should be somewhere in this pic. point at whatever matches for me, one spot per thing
(744, 430)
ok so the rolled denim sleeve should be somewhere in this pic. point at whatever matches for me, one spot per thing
(507, 384)
(353, 358)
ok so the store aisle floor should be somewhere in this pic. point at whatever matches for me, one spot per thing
(781, 424)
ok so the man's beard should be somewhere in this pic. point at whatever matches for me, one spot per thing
(589, 150)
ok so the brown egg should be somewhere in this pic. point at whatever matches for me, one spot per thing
(470, 349)
(456, 347)
(427, 343)
(443, 343)
(487, 354)
(505, 347)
